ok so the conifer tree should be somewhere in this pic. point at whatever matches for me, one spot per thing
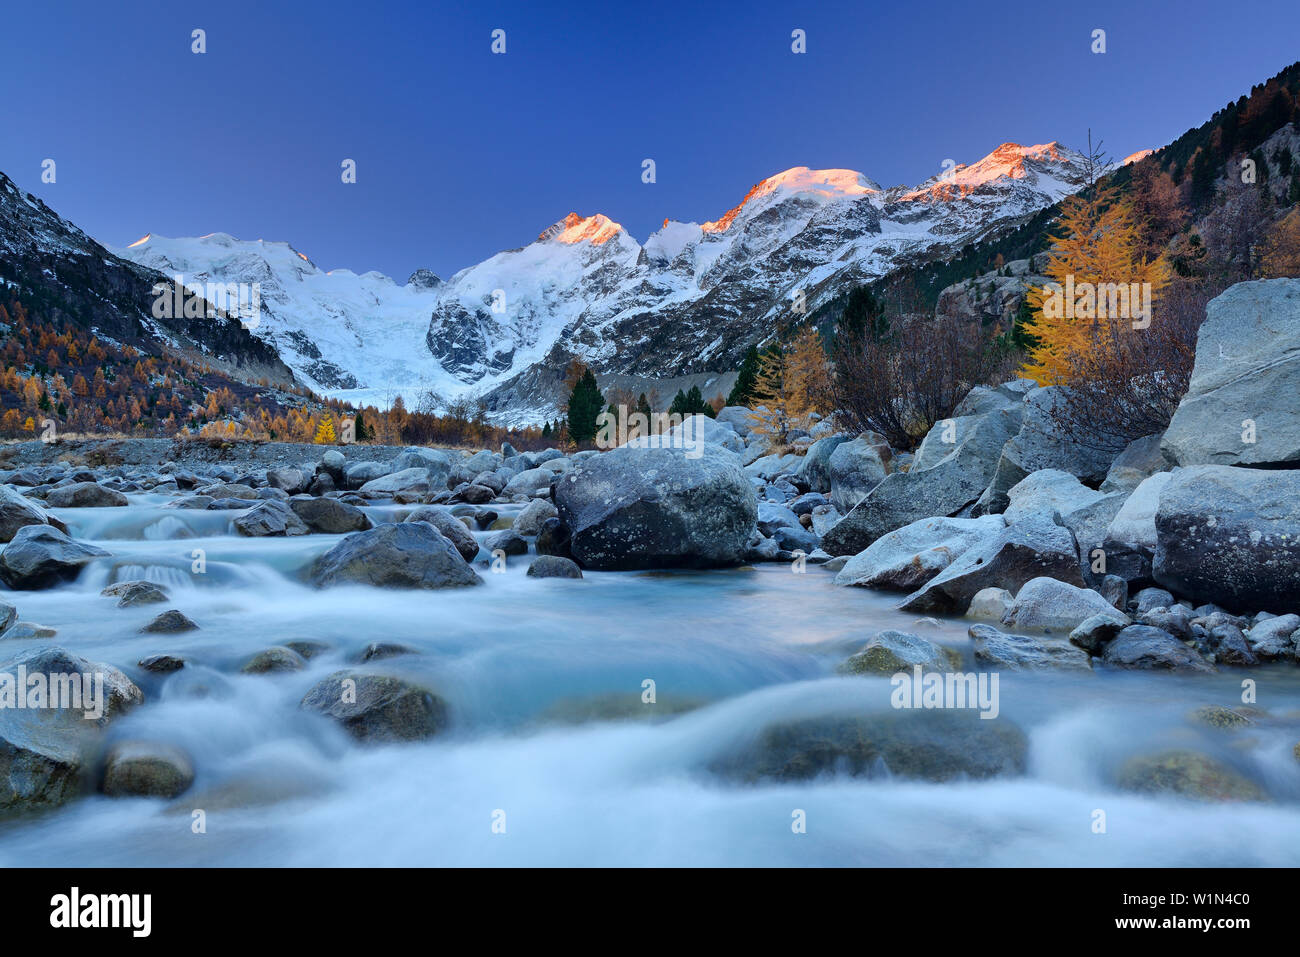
(585, 405)
(1099, 244)
(743, 391)
(325, 431)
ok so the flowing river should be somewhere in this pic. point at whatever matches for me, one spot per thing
(553, 758)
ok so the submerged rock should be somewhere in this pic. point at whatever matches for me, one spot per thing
(146, 769)
(1187, 774)
(275, 659)
(377, 708)
(170, 622)
(553, 566)
(930, 745)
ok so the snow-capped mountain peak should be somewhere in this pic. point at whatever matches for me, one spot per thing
(597, 230)
(691, 300)
(825, 185)
(1010, 161)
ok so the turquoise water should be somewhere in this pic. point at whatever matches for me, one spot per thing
(729, 652)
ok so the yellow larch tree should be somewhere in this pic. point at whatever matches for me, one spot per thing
(1099, 244)
(325, 431)
(807, 375)
(1280, 256)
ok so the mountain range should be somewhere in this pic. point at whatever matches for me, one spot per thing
(690, 299)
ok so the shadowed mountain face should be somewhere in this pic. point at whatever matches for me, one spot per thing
(63, 274)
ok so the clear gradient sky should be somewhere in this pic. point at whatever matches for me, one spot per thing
(462, 153)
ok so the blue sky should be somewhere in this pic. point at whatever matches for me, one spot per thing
(462, 153)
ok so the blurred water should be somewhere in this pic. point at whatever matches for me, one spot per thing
(748, 646)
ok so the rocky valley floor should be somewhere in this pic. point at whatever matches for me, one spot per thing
(505, 712)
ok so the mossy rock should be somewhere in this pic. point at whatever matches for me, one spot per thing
(910, 743)
(893, 651)
(1188, 774)
(1217, 716)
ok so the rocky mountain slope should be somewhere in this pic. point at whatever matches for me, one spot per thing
(62, 274)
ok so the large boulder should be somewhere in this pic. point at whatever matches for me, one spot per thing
(738, 417)
(84, 495)
(1141, 459)
(936, 485)
(1231, 536)
(409, 555)
(435, 461)
(1045, 604)
(529, 482)
(1045, 492)
(413, 480)
(17, 511)
(1135, 523)
(907, 558)
(529, 520)
(330, 516)
(997, 649)
(1043, 442)
(357, 474)
(288, 480)
(45, 752)
(694, 429)
(39, 556)
(814, 470)
(452, 528)
(853, 468)
(1242, 405)
(1145, 647)
(270, 519)
(1017, 554)
(643, 507)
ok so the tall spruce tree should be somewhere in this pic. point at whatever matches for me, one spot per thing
(743, 391)
(585, 405)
